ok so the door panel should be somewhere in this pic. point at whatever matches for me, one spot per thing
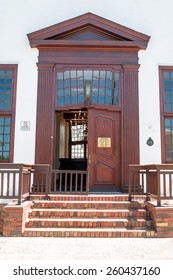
(104, 150)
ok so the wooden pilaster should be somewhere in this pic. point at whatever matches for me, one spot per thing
(45, 114)
(130, 117)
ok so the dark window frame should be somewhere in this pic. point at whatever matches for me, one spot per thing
(12, 111)
(164, 113)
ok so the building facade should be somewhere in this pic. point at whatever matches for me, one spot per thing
(87, 87)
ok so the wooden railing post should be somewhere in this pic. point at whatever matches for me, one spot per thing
(134, 186)
(20, 185)
(147, 196)
(158, 188)
(87, 180)
(130, 184)
(48, 180)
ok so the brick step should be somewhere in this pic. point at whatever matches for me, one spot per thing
(88, 213)
(84, 205)
(88, 232)
(89, 197)
(89, 223)
(87, 204)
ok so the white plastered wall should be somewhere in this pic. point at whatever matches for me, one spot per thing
(152, 17)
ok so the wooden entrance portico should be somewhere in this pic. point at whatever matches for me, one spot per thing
(97, 48)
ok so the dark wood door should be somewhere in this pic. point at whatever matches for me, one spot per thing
(104, 138)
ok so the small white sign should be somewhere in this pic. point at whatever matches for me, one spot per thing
(25, 125)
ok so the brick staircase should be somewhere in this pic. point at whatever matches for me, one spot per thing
(89, 216)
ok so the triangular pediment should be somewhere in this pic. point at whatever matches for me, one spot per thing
(88, 29)
(87, 33)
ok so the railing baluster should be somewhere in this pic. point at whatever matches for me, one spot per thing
(81, 183)
(54, 181)
(170, 185)
(71, 181)
(66, 174)
(134, 182)
(164, 184)
(130, 185)
(76, 183)
(2, 184)
(8, 184)
(42, 182)
(60, 182)
(14, 183)
(158, 188)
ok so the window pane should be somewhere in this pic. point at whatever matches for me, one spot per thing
(168, 99)
(60, 76)
(77, 151)
(166, 75)
(168, 107)
(73, 74)
(88, 74)
(8, 73)
(167, 122)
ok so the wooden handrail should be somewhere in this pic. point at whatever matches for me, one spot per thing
(158, 180)
(11, 174)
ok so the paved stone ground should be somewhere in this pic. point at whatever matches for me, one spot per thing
(85, 249)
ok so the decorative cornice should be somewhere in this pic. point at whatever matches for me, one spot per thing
(46, 66)
(130, 67)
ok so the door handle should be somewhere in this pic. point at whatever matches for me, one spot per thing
(89, 159)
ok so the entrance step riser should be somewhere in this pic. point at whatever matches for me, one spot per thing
(88, 198)
(83, 205)
(84, 214)
(87, 205)
(97, 234)
(85, 224)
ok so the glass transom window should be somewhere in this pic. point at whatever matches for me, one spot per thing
(104, 87)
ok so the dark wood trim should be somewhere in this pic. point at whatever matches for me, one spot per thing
(89, 56)
(161, 114)
(70, 43)
(80, 66)
(12, 111)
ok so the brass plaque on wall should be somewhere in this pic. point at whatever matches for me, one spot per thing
(103, 142)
